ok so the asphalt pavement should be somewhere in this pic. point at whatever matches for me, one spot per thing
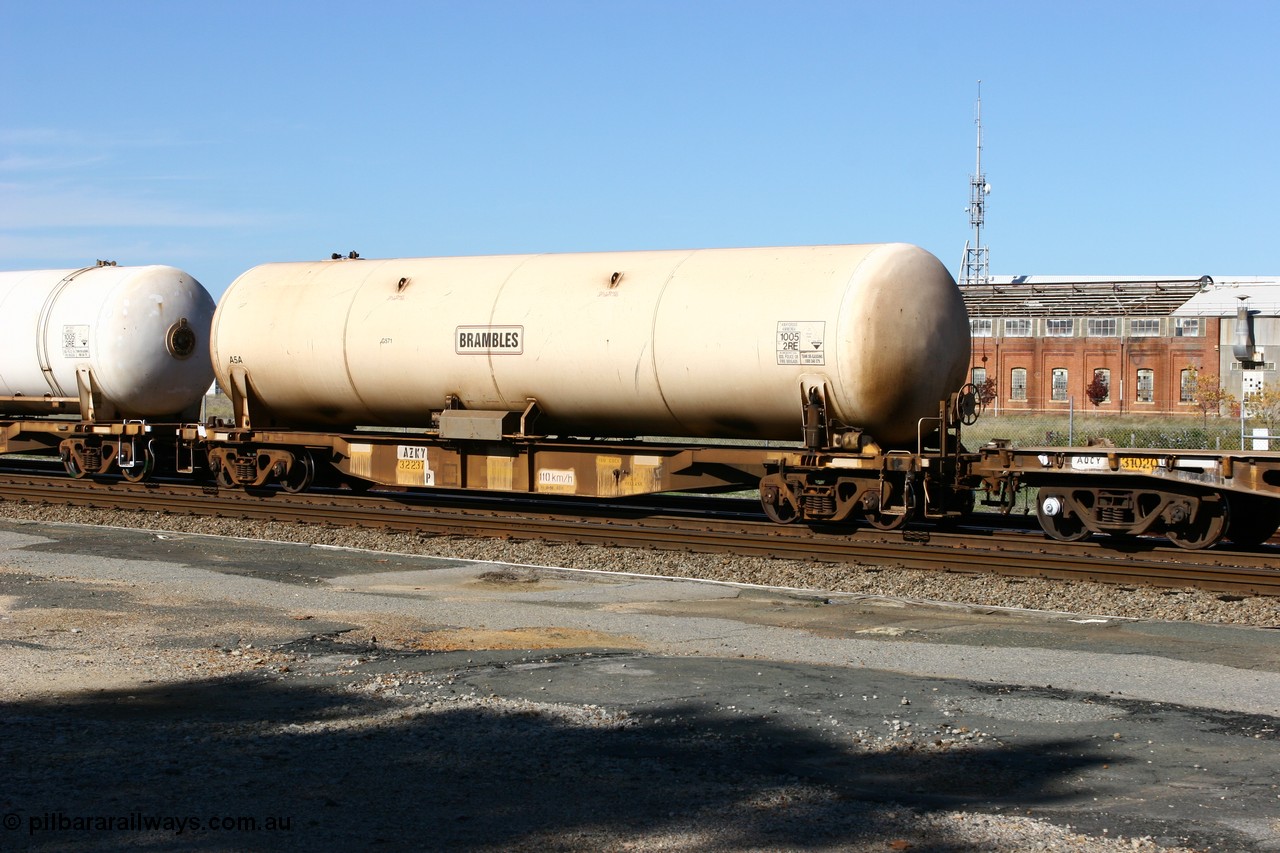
(1113, 726)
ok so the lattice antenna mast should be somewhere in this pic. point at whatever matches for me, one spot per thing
(977, 261)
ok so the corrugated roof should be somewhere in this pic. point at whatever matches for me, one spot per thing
(1052, 296)
(1223, 298)
(1092, 279)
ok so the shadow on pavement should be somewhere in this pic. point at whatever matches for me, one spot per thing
(350, 770)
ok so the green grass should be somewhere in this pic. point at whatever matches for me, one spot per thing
(216, 406)
(1169, 431)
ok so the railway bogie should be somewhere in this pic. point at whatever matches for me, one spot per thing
(249, 465)
(889, 491)
(819, 496)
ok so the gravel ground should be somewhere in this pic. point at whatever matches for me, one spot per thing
(404, 728)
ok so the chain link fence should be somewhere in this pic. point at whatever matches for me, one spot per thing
(1076, 425)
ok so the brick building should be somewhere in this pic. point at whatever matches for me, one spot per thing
(1043, 341)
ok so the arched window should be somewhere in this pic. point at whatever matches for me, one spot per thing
(1018, 384)
(1188, 385)
(1146, 386)
(1059, 384)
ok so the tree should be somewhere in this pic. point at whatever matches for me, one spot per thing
(1265, 406)
(1098, 391)
(986, 392)
(1207, 394)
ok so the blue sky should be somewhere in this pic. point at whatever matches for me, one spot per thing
(1119, 138)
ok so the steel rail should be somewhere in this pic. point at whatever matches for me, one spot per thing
(969, 550)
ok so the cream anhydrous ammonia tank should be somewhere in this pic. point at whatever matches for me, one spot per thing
(137, 336)
(712, 342)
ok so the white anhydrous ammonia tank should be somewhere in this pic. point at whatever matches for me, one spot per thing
(712, 342)
(142, 333)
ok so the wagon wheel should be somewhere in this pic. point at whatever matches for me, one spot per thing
(1253, 519)
(222, 475)
(73, 466)
(1205, 528)
(885, 520)
(141, 468)
(776, 500)
(301, 474)
(779, 513)
(1052, 515)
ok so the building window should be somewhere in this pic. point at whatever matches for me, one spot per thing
(1055, 328)
(1186, 327)
(1146, 386)
(1102, 376)
(1145, 327)
(1019, 328)
(1060, 385)
(1018, 384)
(979, 376)
(1101, 327)
(980, 327)
(1188, 386)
